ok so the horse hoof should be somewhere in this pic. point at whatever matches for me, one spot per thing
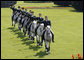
(24, 35)
(29, 36)
(37, 44)
(41, 46)
(48, 52)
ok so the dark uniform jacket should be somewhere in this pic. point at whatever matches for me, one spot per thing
(39, 19)
(47, 22)
(14, 9)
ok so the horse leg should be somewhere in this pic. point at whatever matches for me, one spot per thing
(41, 42)
(18, 27)
(37, 40)
(14, 25)
(33, 37)
(24, 32)
(12, 20)
(47, 47)
(48, 51)
(28, 33)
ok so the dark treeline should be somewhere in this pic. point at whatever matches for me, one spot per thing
(78, 5)
(7, 3)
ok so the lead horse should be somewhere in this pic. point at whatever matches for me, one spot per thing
(47, 37)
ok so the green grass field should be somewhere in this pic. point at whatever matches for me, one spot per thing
(67, 26)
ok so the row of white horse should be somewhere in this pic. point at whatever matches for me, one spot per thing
(29, 28)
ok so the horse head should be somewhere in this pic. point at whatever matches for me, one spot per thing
(48, 29)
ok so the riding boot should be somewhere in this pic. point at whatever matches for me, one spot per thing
(43, 35)
(52, 36)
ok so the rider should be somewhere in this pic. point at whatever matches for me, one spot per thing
(33, 17)
(30, 11)
(40, 19)
(22, 11)
(46, 23)
(19, 10)
(14, 11)
(13, 8)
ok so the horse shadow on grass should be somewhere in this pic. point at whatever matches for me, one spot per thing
(26, 41)
(41, 54)
(16, 31)
(35, 48)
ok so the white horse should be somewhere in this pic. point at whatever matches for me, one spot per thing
(19, 22)
(32, 29)
(15, 16)
(24, 23)
(48, 36)
(39, 32)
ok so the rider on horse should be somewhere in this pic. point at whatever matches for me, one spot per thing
(39, 20)
(46, 23)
